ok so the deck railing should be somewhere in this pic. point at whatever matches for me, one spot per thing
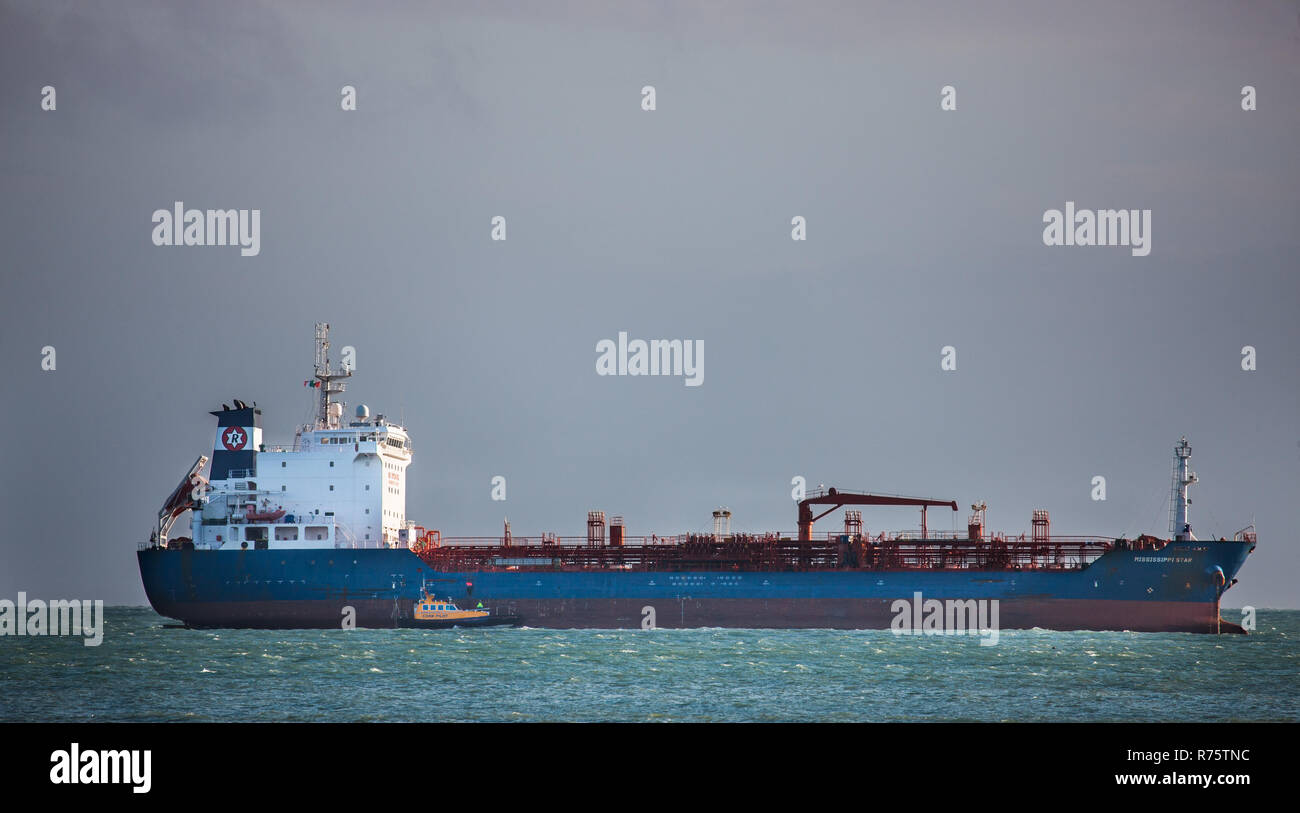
(765, 552)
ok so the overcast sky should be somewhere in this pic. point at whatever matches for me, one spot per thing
(924, 230)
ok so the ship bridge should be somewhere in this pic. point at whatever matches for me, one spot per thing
(340, 483)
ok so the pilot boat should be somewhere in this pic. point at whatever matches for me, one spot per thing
(431, 612)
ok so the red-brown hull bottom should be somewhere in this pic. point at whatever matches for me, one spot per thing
(1054, 614)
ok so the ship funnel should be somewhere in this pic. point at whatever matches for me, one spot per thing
(239, 436)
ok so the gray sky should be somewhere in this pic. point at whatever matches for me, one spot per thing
(822, 357)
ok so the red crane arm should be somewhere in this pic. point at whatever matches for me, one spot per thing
(837, 499)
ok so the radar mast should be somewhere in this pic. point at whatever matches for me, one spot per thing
(331, 383)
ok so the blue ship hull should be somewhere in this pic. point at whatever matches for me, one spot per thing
(1175, 589)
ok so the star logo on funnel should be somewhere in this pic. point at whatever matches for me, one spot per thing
(234, 438)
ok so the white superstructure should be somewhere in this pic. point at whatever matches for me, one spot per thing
(341, 483)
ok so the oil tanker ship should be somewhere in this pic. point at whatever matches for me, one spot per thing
(315, 534)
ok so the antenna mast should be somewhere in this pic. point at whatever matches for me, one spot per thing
(1183, 478)
(330, 380)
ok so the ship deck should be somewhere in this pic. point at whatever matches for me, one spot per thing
(743, 552)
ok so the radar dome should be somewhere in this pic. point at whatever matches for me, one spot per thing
(363, 411)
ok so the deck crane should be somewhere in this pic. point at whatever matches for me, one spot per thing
(837, 499)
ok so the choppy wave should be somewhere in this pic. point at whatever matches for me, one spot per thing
(144, 671)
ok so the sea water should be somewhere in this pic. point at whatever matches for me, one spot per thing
(145, 670)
